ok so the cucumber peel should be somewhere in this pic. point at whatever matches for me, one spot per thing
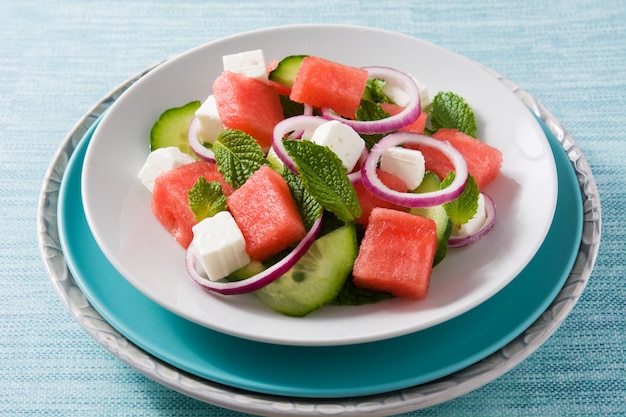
(286, 70)
(172, 126)
(318, 276)
(437, 213)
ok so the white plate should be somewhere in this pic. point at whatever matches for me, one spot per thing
(118, 207)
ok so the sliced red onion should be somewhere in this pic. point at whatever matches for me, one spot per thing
(355, 177)
(434, 198)
(261, 279)
(194, 143)
(297, 134)
(490, 221)
(292, 124)
(407, 116)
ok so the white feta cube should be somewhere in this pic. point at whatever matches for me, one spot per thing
(475, 223)
(400, 96)
(249, 63)
(341, 139)
(218, 246)
(210, 121)
(406, 164)
(159, 161)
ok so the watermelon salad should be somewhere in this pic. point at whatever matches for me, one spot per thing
(309, 182)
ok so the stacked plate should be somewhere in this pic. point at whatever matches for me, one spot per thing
(489, 306)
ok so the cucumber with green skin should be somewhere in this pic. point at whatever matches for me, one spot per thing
(431, 182)
(172, 126)
(285, 71)
(317, 277)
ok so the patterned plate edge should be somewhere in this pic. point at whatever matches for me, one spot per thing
(396, 402)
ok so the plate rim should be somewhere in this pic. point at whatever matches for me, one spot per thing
(413, 398)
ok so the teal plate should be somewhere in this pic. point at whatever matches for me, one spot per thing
(329, 371)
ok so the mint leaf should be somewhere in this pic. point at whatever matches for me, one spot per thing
(325, 178)
(290, 107)
(370, 111)
(374, 91)
(238, 156)
(465, 206)
(449, 110)
(308, 207)
(206, 199)
(351, 295)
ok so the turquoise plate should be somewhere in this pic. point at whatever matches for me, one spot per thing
(322, 372)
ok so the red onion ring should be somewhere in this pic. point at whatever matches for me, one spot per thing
(407, 116)
(292, 124)
(490, 221)
(261, 279)
(192, 137)
(434, 198)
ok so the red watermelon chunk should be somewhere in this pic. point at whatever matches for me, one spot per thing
(323, 83)
(248, 104)
(170, 202)
(483, 161)
(266, 214)
(368, 201)
(396, 254)
(416, 127)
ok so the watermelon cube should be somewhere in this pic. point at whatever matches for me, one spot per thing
(249, 105)
(266, 214)
(483, 161)
(396, 254)
(368, 201)
(170, 201)
(323, 83)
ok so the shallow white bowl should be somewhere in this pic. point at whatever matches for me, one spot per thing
(117, 206)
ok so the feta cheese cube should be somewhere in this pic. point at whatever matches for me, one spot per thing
(250, 63)
(401, 98)
(475, 223)
(341, 139)
(159, 161)
(210, 121)
(406, 164)
(219, 246)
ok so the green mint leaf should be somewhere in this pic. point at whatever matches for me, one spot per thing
(370, 111)
(465, 206)
(308, 206)
(238, 156)
(449, 110)
(206, 199)
(374, 91)
(290, 107)
(351, 295)
(325, 178)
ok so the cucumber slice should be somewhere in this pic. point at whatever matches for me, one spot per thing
(318, 276)
(285, 71)
(431, 182)
(248, 271)
(171, 128)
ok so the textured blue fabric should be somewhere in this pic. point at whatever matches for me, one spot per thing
(58, 58)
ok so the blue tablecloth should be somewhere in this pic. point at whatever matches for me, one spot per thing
(58, 58)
